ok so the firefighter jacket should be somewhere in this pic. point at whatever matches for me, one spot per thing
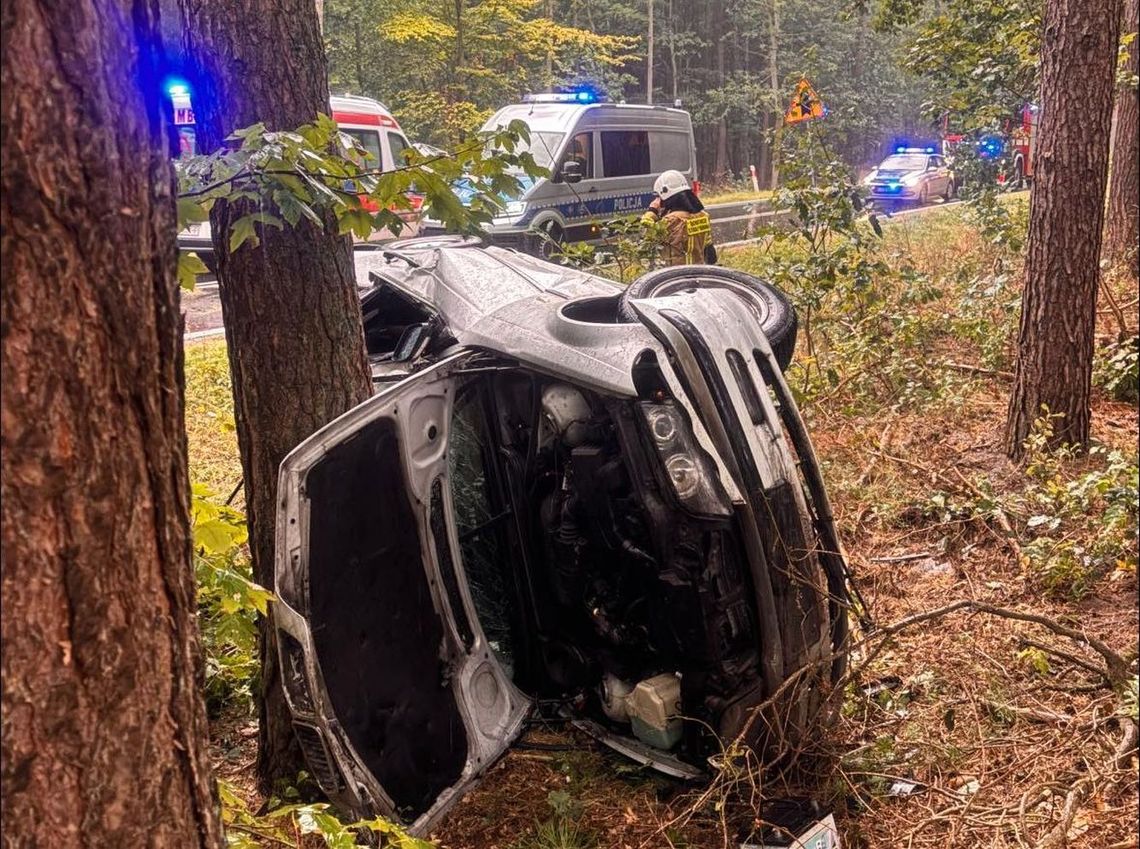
(687, 235)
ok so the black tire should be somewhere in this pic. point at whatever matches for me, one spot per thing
(951, 190)
(778, 322)
(923, 196)
(1018, 174)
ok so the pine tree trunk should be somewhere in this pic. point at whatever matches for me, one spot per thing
(721, 169)
(774, 83)
(290, 307)
(649, 56)
(104, 738)
(1122, 231)
(1058, 305)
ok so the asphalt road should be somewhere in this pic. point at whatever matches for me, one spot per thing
(734, 224)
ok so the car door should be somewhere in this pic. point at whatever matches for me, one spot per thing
(397, 697)
(941, 180)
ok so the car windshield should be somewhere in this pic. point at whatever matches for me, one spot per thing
(904, 162)
(542, 146)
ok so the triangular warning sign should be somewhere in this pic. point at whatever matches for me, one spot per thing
(805, 104)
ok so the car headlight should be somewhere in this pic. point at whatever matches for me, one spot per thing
(870, 178)
(690, 471)
(911, 179)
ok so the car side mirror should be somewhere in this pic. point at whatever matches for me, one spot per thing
(571, 171)
(413, 341)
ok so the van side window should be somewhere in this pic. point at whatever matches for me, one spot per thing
(625, 153)
(581, 149)
(370, 141)
(670, 151)
(397, 144)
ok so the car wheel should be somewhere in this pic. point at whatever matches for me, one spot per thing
(951, 191)
(923, 196)
(549, 246)
(1018, 175)
(778, 318)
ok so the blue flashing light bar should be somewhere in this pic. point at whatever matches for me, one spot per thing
(176, 87)
(583, 95)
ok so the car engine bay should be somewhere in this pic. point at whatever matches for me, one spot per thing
(632, 612)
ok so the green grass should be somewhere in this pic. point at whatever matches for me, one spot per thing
(210, 429)
(734, 196)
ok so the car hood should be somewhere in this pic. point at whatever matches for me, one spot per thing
(893, 175)
(501, 300)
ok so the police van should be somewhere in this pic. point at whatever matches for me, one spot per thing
(602, 158)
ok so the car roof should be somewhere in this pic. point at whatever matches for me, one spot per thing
(561, 117)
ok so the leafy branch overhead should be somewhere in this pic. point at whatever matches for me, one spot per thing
(318, 173)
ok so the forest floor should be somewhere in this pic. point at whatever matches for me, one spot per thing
(967, 729)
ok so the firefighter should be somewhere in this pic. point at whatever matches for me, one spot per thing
(688, 236)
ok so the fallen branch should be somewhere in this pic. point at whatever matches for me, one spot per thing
(901, 558)
(1073, 659)
(1008, 375)
(1116, 667)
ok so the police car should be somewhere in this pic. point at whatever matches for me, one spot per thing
(603, 158)
(913, 175)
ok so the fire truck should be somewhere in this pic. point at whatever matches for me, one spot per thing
(368, 121)
(1023, 141)
(1018, 139)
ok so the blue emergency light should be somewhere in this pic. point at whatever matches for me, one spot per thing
(578, 95)
(177, 88)
(990, 147)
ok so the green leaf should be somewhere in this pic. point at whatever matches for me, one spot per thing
(191, 210)
(190, 265)
(243, 230)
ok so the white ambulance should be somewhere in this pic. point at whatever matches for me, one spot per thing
(366, 120)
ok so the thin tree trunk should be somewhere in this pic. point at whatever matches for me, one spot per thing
(358, 57)
(460, 56)
(721, 167)
(649, 57)
(673, 53)
(290, 307)
(104, 739)
(1058, 305)
(774, 84)
(550, 48)
(1123, 227)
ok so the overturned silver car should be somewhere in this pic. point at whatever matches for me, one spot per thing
(566, 493)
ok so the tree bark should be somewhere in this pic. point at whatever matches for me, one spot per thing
(1058, 305)
(721, 169)
(649, 56)
(104, 739)
(774, 83)
(289, 305)
(1122, 231)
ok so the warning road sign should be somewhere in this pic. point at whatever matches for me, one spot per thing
(805, 104)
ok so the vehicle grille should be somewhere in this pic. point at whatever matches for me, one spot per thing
(317, 757)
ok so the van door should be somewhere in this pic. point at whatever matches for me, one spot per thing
(627, 170)
(577, 201)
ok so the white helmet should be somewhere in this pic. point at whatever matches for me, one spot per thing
(669, 183)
